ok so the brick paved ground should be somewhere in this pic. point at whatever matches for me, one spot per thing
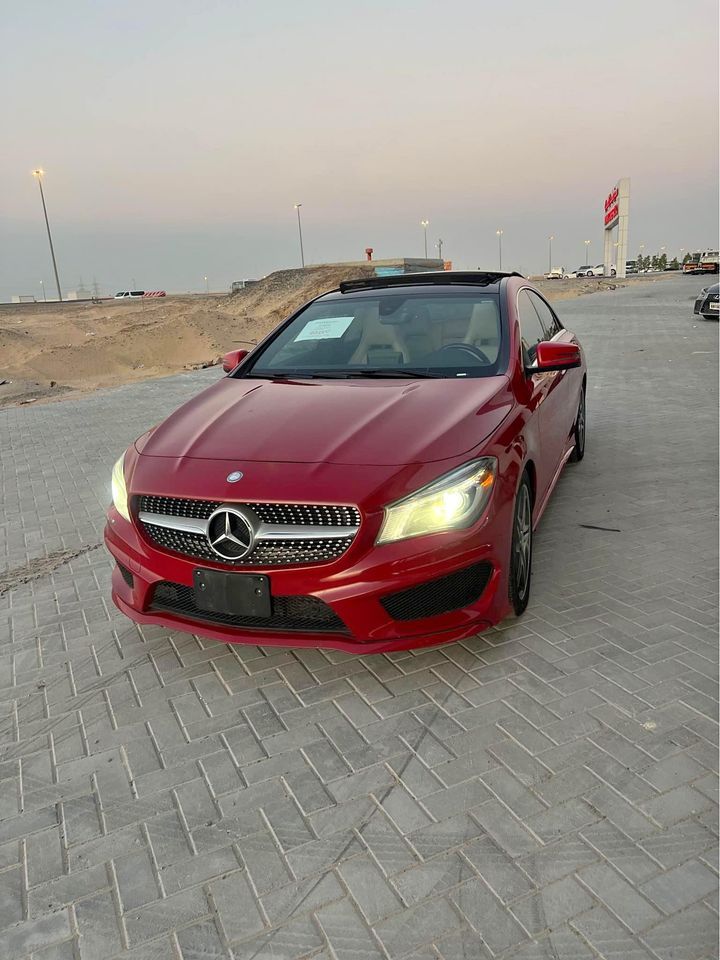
(547, 790)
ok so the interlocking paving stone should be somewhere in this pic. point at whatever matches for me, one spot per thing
(547, 790)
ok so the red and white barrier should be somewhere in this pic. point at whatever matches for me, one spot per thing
(154, 293)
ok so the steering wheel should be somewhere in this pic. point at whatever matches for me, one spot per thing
(470, 348)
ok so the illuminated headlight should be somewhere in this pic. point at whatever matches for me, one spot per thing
(453, 502)
(119, 490)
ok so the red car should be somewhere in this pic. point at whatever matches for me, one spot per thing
(367, 478)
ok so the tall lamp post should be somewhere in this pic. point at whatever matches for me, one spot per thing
(302, 252)
(39, 174)
(439, 246)
(43, 290)
(425, 224)
(550, 240)
(207, 286)
(499, 234)
(587, 252)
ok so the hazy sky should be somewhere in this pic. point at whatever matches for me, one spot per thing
(176, 136)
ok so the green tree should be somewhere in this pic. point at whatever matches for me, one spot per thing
(687, 257)
(662, 262)
(654, 261)
(674, 264)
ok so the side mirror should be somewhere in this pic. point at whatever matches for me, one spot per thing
(555, 355)
(232, 359)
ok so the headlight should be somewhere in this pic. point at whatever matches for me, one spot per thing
(450, 503)
(119, 490)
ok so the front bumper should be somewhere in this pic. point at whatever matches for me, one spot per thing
(352, 587)
(707, 306)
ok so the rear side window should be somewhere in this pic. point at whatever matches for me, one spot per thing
(550, 322)
(531, 330)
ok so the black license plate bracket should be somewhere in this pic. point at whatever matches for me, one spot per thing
(235, 594)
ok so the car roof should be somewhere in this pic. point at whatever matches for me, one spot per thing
(432, 282)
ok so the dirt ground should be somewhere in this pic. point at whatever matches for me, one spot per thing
(48, 351)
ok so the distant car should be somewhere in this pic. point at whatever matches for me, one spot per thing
(584, 271)
(708, 302)
(631, 266)
(557, 273)
(129, 293)
(599, 271)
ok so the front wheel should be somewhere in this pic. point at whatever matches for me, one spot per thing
(579, 430)
(521, 548)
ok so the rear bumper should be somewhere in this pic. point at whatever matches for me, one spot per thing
(351, 587)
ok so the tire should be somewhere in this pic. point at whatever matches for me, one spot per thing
(710, 316)
(579, 430)
(613, 273)
(521, 548)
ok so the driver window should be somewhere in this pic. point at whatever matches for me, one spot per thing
(531, 330)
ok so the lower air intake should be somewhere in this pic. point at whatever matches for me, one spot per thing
(452, 592)
(288, 613)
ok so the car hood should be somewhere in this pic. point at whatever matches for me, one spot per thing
(383, 423)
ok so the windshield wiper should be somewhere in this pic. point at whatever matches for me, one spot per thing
(392, 372)
(387, 373)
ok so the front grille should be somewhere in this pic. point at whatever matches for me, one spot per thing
(270, 553)
(452, 592)
(276, 552)
(288, 613)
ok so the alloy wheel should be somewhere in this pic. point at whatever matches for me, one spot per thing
(522, 542)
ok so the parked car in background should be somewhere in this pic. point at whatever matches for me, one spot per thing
(557, 273)
(585, 271)
(599, 270)
(631, 266)
(707, 304)
(137, 294)
(368, 478)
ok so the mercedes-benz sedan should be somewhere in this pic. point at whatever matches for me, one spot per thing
(368, 478)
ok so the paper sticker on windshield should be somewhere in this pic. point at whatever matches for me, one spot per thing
(329, 328)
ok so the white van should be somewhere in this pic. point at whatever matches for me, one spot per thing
(129, 293)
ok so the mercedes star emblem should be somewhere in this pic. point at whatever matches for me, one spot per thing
(230, 533)
(235, 476)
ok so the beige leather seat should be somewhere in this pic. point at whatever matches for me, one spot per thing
(380, 343)
(418, 333)
(483, 329)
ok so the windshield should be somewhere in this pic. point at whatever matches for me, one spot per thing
(389, 335)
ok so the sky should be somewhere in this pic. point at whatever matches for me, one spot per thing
(176, 137)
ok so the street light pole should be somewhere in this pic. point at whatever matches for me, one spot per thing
(424, 224)
(500, 236)
(43, 290)
(587, 245)
(302, 252)
(39, 174)
(439, 246)
(550, 240)
(207, 287)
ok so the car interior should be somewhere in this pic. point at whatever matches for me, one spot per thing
(398, 332)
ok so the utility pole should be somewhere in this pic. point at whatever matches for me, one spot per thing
(39, 174)
(302, 252)
(439, 246)
(550, 240)
(424, 224)
(500, 236)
